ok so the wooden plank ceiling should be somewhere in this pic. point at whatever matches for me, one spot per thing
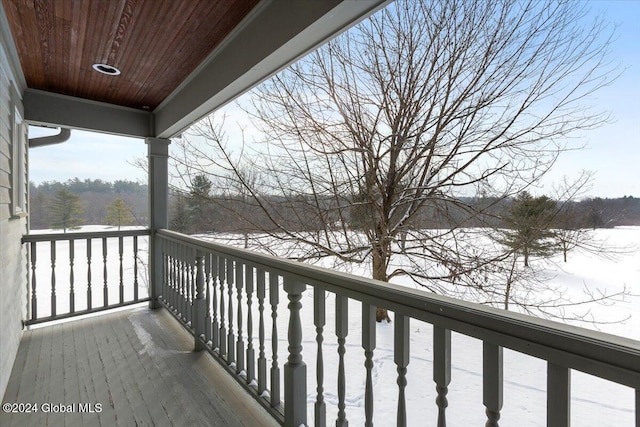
(155, 44)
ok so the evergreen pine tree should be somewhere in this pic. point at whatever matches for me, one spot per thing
(198, 204)
(529, 220)
(39, 212)
(179, 215)
(119, 213)
(66, 210)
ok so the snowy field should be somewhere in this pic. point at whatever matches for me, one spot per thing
(595, 402)
(97, 269)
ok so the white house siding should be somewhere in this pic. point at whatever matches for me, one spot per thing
(13, 257)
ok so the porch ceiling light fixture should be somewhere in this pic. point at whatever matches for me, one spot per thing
(106, 69)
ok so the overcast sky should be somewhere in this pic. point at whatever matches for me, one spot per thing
(613, 151)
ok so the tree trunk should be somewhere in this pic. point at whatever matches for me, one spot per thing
(380, 273)
(403, 240)
(507, 292)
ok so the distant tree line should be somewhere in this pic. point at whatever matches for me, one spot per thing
(200, 209)
(67, 205)
(203, 209)
(523, 227)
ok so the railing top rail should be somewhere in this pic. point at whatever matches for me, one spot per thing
(48, 237)
(608, 356)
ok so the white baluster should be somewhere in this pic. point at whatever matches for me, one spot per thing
(262, 360)
(53, 278)
(275, 370)
(207, 286)
(240, 341)
(105, 289)
(319, 319)
(250, 359)
(72, 293)
(492, 382)
(441, 369)
(401, 359)
(135, 269)
(223, 329)
(199, 304)
(34, 294)
(231, 338)
(120, 255)
(558, 395)
(295, 370)
(215, 327)
(368, 344)
(89, 294)
(342, 329)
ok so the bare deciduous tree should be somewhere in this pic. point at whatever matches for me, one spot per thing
(572, 223)
(370, 144)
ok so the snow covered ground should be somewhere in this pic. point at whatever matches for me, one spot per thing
(595, 402)
(81, 269)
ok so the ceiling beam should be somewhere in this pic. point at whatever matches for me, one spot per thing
(52, 109)
(273, 35)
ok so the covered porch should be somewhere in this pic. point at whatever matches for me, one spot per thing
(258, 359)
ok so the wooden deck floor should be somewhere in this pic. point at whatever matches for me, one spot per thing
(137, 364)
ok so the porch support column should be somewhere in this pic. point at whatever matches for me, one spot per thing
(158, 151)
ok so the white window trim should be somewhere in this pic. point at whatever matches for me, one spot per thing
(18, 172)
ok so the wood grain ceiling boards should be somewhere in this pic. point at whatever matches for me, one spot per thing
(156, 44)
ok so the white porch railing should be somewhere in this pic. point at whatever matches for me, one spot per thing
(223, 295)
(76, 273)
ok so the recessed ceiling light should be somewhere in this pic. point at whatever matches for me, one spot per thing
(106, 69)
